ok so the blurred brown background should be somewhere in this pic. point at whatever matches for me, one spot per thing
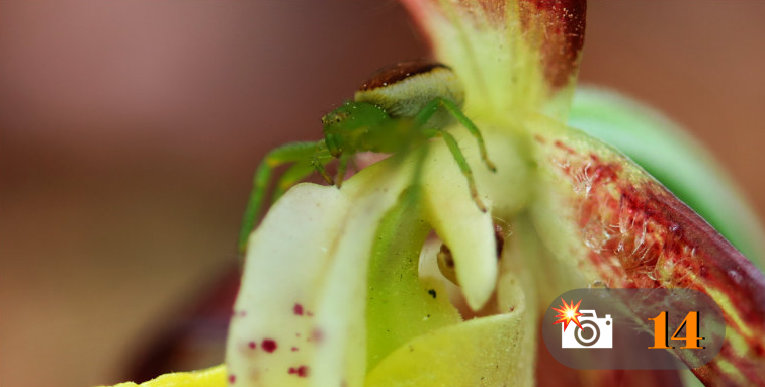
(129, 132)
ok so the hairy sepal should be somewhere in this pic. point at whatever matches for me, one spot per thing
(676, 159)
(606, 218)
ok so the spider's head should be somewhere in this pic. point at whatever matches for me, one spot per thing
(345, 126)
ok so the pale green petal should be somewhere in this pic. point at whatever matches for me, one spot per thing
(340, 318)
(675, 159)
(311, 250)
(519, 278)
(456, 218)
(463, 227)
(286, 265)
(487, 351)
(527, 257)
(400, 305)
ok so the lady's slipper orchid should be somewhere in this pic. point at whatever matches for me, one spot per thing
(339, 291)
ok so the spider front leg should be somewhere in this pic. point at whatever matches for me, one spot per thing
(307, 156)
(432, 106)
(451, 143)
(298, 171)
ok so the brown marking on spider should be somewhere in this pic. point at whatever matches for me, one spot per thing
(398, 72)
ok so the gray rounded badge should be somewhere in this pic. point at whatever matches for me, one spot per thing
(633, 328)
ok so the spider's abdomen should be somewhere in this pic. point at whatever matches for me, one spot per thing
(403, 89)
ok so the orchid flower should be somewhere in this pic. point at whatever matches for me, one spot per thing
(341, 288)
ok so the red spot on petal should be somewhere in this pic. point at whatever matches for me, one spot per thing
(301, 371)
(268, 345)
(294, 349)
(232, 379)
(251, 345)
(297, 309)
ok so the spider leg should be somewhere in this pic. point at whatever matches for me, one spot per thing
(431, 107)
(318, 164)
(342, 166)
(295, 173)
(299, 152)
(451, 143)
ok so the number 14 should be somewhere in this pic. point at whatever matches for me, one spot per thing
(660, 330)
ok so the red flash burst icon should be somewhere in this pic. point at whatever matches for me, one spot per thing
(568, 313)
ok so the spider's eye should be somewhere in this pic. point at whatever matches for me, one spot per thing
(334, 117)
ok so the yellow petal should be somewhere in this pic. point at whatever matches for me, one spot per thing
(211, 377)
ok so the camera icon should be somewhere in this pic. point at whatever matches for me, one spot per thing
(596, 332)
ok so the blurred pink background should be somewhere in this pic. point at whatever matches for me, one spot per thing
(129, 132)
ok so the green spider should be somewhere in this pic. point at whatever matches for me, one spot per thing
(396, 109)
